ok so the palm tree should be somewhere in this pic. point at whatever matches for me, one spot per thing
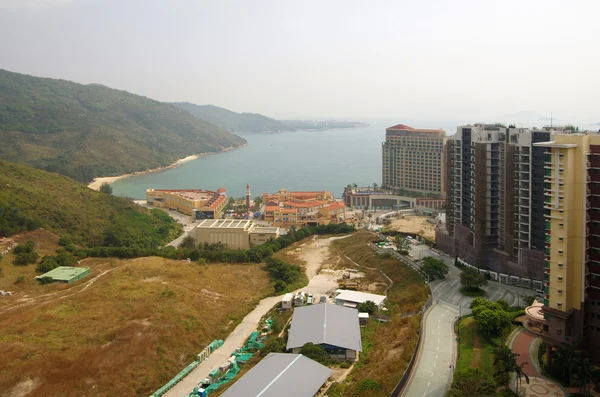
(504, 360)
(520, 373)
(582, 371)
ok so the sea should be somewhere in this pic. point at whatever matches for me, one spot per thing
(300, 160)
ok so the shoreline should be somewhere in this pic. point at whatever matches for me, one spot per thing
(97, 182)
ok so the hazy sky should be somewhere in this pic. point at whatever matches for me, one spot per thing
(419, 59)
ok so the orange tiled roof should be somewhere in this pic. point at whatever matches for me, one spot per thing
(335, 206)
(310, 204)
(272, 208)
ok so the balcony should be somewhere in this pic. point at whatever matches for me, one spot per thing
(547, 290)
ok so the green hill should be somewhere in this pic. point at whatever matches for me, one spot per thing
(32, 198)
(232, 121)
(86, 131)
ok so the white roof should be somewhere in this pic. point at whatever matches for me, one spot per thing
(287, 297)
(224, 224)
(359, 297)
(363, 315)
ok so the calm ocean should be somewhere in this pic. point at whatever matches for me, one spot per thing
(302, 160)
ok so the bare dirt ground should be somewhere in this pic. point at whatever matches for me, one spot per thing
(414, 224)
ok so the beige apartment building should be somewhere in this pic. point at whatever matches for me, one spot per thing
(572, 242)
(236, 234)
(413, 161)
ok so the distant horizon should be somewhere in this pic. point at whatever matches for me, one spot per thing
(422, 123)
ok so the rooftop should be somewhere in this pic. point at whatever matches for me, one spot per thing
(359, 297)
(403, 127)
(224, 224)
(280, 374)
(325, 323)
(65, 273)
(306, 204)
(262, 229)
(335, 206)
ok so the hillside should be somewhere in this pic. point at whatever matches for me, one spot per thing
(232, 121)
(30, 198)
(86, 131)
(125, 330)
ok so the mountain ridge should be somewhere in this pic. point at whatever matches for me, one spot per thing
(88, 131)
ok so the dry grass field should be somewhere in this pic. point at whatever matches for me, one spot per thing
(413, 224)
(122, 331)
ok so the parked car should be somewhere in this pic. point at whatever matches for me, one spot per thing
(310, 299)
(323, 299)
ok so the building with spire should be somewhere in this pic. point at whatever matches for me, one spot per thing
(247, 196)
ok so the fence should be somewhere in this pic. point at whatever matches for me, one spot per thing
(504, 278)
(402, 383)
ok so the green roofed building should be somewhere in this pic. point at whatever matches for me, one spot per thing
(66, 274)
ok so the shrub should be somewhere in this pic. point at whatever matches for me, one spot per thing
(20, 279)
(346, 364)
(45, 280)
(273, 345)
(24, 248)
(367, 384)
(64, 241)
(315, 352)
(46, 264)
(26, 258)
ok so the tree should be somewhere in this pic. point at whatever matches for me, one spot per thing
(505, 362)
(402, 244)
(434, 268)
(315, 352)
(582, 372)
(471, 382)
(188, 242)
(368, 307)
(491, 317)
(471, 279)
(106, 188)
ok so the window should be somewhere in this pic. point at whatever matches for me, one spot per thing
(560, 252)
(559, 304)
(560, 265)
(558, 330)
(560, 238)
(560, 278)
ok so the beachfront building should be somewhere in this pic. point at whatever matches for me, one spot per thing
(572, 242)
(201, 204)
(413, 161)
(236, 234)
(379, 198)
(300, 209)
(335, 328)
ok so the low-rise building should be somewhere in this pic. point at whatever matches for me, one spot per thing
(302, 208)
(354, 298)
(379, 198)
(236, 234)
(281, 374)
(201, 204)
(66, 274)
(335, 328)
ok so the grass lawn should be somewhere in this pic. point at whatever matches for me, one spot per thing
(476, 350)
(128, 332)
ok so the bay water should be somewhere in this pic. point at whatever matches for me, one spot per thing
(300, 160)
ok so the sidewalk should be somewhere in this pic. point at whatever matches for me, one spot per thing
(538, 386)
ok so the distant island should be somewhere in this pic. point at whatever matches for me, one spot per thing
(254, 122)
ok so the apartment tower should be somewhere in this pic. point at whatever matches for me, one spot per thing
(572, 241)
(495, 197)
(413, 161)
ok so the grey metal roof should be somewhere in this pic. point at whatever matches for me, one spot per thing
(325, 323)
(280, 374)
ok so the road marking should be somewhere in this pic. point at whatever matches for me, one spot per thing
(434, 364)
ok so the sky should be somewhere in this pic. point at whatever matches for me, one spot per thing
(454, 59)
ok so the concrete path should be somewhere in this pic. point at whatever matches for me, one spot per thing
(432, 375)
(538, 386)
(234, 340)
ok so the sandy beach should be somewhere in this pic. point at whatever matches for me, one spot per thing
(97, 182)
